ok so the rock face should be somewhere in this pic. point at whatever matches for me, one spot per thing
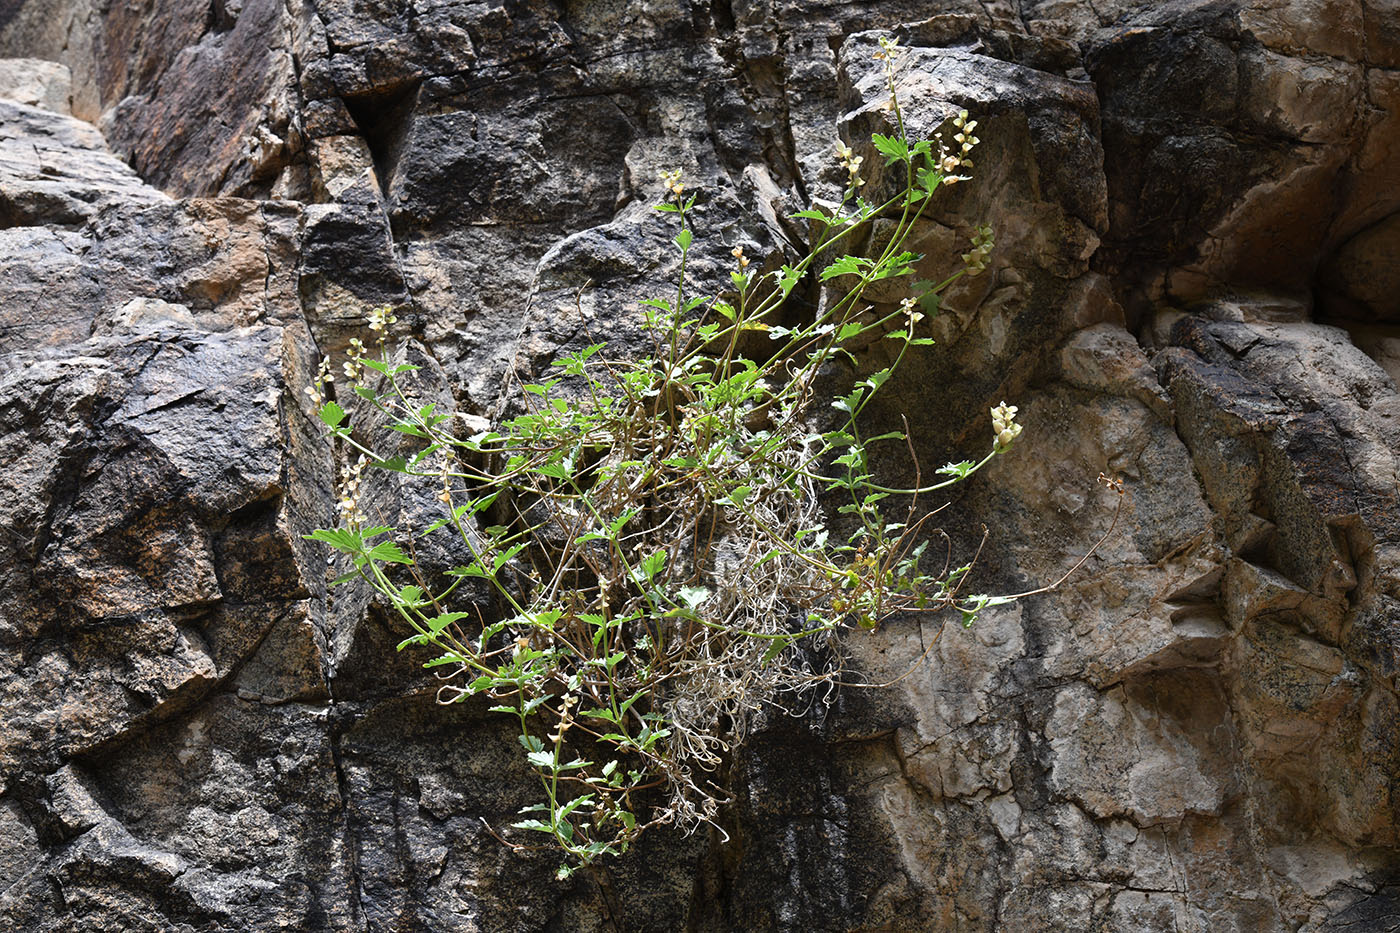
(1194, 291)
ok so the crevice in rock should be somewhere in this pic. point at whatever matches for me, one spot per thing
(337, 722)
(219, 18)
(383, 119)
(722, 16)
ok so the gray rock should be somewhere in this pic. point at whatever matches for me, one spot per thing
(1197, 730)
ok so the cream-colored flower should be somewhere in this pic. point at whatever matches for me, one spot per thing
(982, 242)
(348, 492)
(672, 180)
(381, 318)
(1004, 426)
(889, 50)
(852, 163)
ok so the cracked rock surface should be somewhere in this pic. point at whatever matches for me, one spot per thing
(1197, 207)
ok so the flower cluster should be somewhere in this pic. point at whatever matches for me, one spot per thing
(317, 390)
(950, 161)
(889, 50)
(851, 162)
(380, 319)
(353, 366)
(672, 181)
(445, 470)
(566, 719)
(348, 492)
(1004, 425)
(738, 253)
(976, 258)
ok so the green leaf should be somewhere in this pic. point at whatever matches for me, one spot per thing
(849, 403)
(332, 414)
(788, 277)
(846, 265)
(389, 552)
(652, 564)
(683, 239)
(535, 825)
(892, 148)
(553, 469)
(621, 521)
(393, 464)
(438, 623)
(475, 569)
(342, 539)
(812, 214)
(847, 331)
(693, 596)
(544, 759)
(739, 495)
(627, 705)
(772, 553)
(573, 805)
(773, 651)
(504, 557)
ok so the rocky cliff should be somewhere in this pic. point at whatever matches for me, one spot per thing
(1196, 289)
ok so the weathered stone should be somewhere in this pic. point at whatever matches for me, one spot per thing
(1196, 730)
(56, 170)
(1361, 279)
(37, 83)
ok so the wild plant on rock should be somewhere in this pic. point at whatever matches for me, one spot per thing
(651, 528)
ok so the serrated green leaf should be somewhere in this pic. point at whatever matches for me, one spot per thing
(544, 759)
(393, 464)
(693, 596)
(846, 265)
(892, 148)
(389, 552)
(332, 414)
(652, 564)
(438, 623)
(342, 539)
